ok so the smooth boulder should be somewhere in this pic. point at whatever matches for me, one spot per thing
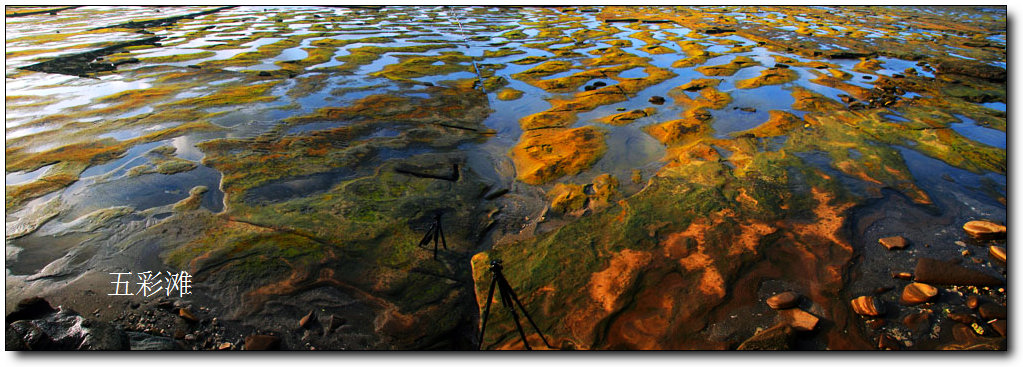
(917, 293)
(983, 229)
(867, 306)
(783, 300)
(65, 330)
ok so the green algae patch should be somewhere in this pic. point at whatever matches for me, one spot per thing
(770, 76)
(867, 66)
(728, 69)
(530, 60)
(514, 35)
(419, 66)
(709, 97)
(567, 198)
(502, 52)
(807, 100)
(61, 175)
(355, 233)
(546, 69)
(627, 117)
(509, 94)
(235, 95)
(163, 161)
(365, 55)
(664, 232)
(779, 123)
(193, 201)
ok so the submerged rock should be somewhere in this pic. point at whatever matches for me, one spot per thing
(934, 271)
(143, 341)
(990, 310)
(262, 342)
(918, 322)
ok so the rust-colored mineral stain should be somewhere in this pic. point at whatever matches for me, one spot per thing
(608, 285)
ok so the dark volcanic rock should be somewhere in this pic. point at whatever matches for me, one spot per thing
(974, 69)
(262, 342)
(335, 322)
(848, 54)
(962, 318)
(81, 64)
(778, 337)
(966, 339)
(918, 322)
(718, 30)
(29, 309)
(1001, 327)
(888, 342)
(990, 311)
(65, 330)
(143, 341)
(934, 271)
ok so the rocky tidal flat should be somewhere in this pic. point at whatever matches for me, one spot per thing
(652, 178)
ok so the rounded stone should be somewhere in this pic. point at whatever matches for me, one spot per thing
(867, 306)
(783, 300)
(917, 293)
(983, 229)
(972, 302)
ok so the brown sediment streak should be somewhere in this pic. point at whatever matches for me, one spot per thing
(830, 262)
(607, 286)
(711, 283)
